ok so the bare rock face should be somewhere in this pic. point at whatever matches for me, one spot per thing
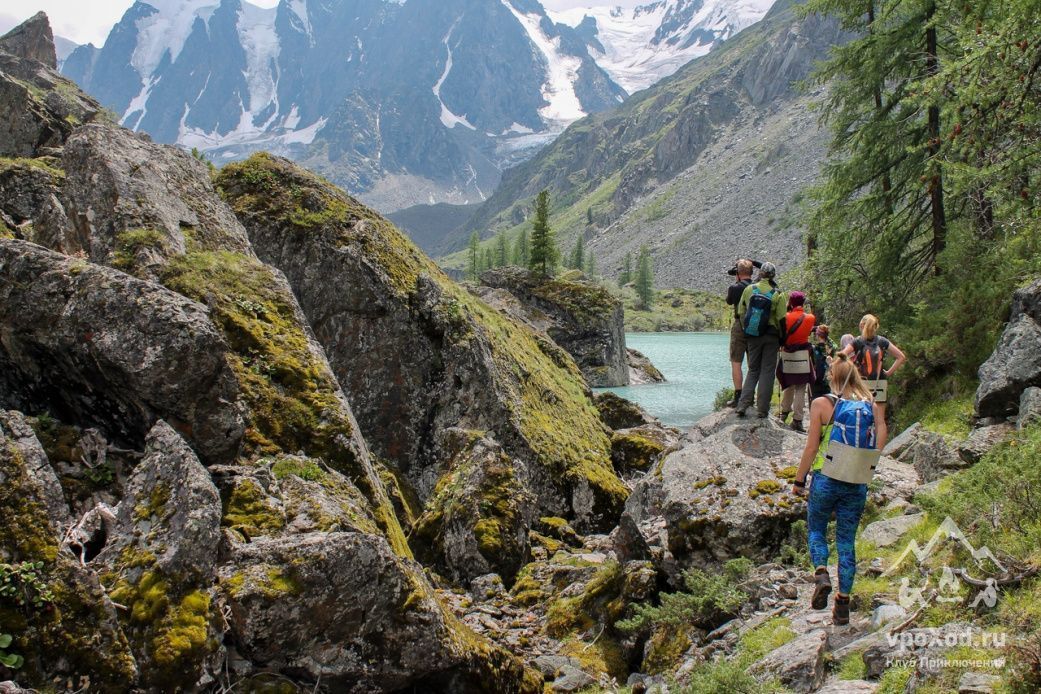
(38, 107)
(32, 40)
(112, 351)
(584, 319)
(641, 370)
(417, 354)
(134, 205)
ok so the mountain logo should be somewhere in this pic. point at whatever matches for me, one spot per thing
(948, 586)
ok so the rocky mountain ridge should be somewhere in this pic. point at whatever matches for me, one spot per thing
(402, 103)
(703, 166)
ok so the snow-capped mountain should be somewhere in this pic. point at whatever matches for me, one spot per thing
(640, 46)
(401, 101)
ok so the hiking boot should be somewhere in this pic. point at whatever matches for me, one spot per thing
(740, 411)
(783, 416)
(762, 415)
(797, 425)
(737, 398)
(840, 612)
(822, 590)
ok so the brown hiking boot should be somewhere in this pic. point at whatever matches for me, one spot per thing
(840, 612)
(822, 590)
(797, 425)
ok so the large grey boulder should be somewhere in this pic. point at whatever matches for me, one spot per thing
(14, 426)
(981, 440)
(583, 318)
(343, 609)
(727, 494)
(1029, 407)
(1014, 366)
(799, 664)
(112, 351)
(931, 454)
(134, 204)
(886, 533)
(38, 107)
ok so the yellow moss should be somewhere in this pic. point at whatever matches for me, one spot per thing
(247, 508)
(28, 534)
(597, 601)
(552, 546)
(634, 450)
(304, 469)
(601, 657)
(293, 399)
(40, 164)
(788, 473)
(131, 242)
(155, 507)
(183, 635)
(664, 649)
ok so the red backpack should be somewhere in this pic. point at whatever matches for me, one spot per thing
(869, 354)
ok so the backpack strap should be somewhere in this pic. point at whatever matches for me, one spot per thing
(794, 328)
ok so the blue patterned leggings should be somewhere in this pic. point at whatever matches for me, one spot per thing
(847, 501)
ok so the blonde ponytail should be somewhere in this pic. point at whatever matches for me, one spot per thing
(869, 326)
(845, 377)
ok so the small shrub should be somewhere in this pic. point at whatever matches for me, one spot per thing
(723, 398)
(708, 599)
(9, 660)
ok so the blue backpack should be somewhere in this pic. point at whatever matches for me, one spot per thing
(851, 454)
(757, 315)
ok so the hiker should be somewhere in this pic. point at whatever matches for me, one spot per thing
(868, 352)
(761, 309)
(823, 351)
(847, 432)
(795, 370)
(742, 271)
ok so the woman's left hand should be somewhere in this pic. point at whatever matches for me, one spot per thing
(799, 491)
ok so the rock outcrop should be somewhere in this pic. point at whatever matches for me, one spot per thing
(38, 107)
(583, 318)
(148, 330)
(1015, 364)
(641, 370)
(418, 356)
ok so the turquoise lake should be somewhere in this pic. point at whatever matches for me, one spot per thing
(697, 366)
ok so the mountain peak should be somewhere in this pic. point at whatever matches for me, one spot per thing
(32, 40)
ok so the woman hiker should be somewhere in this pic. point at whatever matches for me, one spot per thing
(847, 432)
(868, 351)
(795, 369)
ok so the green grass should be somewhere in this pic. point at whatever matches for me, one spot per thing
(693, 311)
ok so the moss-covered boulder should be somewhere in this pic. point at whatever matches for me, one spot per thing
(581, 317)
(105, 349)
(639, 448)
(619, 413)
(478, 518)
(417, 354)
(59, 616)
(343, 609)
(160, 561)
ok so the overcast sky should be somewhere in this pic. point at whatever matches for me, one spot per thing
(86, 21)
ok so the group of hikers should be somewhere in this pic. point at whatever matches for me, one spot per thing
(847, 389)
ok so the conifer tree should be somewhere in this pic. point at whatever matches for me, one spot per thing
(626, 275)
(544, 253)
(500, 250)
(522, 248)
(590, 268)
(645, 279)
(473, 257)
(589, 216)
(578, 253)
(487, 259)
(881, 204)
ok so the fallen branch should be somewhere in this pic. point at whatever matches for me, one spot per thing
(1000, 582)
(914, 617)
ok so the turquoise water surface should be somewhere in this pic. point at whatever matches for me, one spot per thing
(697, 366)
